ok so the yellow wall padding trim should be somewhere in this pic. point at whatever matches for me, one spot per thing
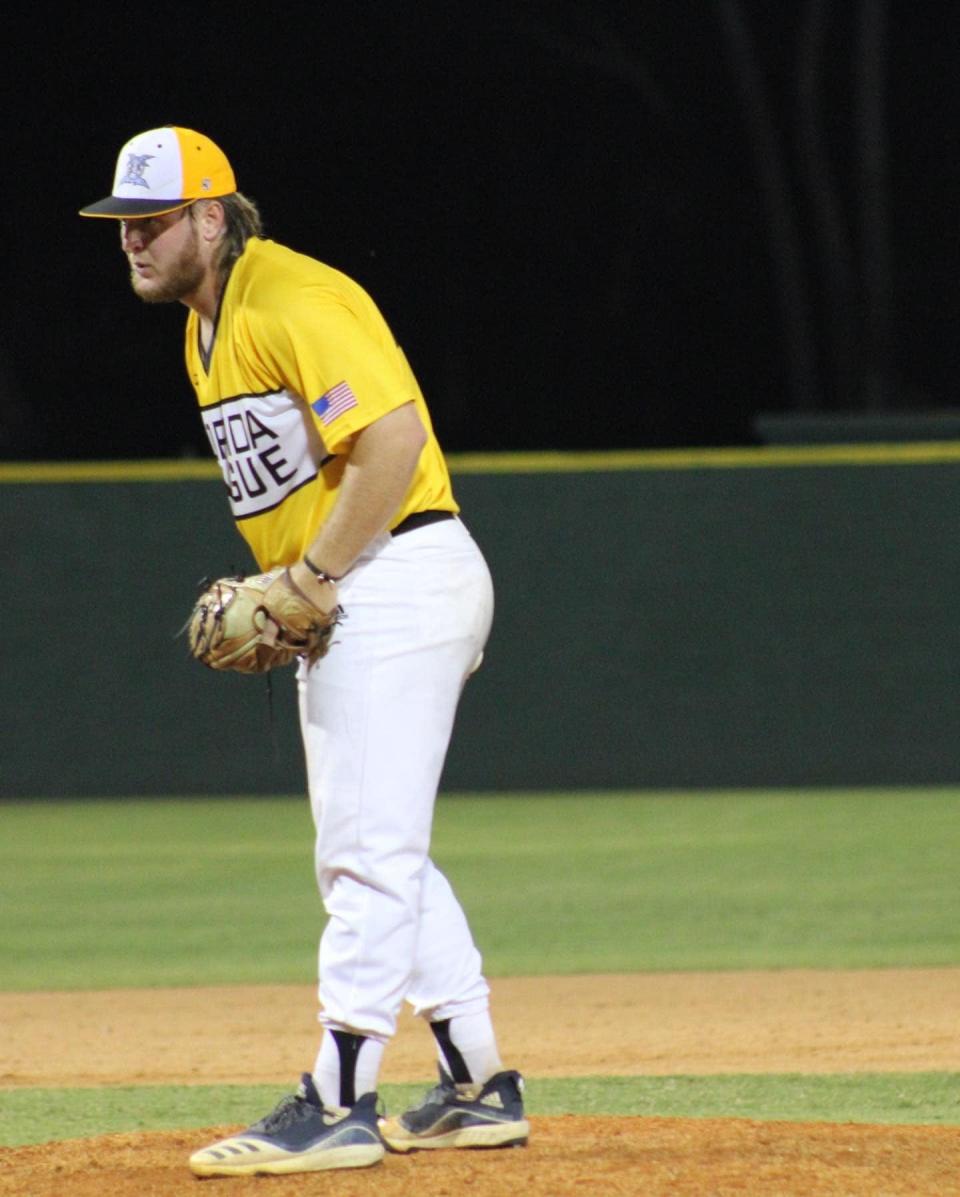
(767, 457)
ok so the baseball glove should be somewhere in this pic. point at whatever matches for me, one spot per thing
(257, 623)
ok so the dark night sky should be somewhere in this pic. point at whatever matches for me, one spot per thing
(561, 209)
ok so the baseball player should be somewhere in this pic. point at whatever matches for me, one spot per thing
(332, 470)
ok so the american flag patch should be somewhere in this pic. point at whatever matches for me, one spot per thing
(334, 403)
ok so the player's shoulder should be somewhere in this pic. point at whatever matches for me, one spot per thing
(268, 263)
(276, 283)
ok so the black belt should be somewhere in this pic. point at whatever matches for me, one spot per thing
(420, 519)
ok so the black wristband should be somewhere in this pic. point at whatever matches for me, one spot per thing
(320, 574)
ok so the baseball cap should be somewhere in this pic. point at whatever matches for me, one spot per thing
(162, 170)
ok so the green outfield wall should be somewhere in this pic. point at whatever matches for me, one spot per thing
(773, 617)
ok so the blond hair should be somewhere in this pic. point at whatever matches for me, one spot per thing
(241, 221)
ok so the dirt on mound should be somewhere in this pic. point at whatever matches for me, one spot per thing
(660, 1024)
(570, 1156)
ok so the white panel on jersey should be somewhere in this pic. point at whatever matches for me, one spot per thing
(267, 446)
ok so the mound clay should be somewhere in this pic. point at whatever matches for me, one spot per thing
(642, 1025)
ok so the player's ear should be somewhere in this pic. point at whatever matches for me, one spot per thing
(211, 218)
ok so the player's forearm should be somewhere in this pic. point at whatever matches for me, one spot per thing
(376, 479)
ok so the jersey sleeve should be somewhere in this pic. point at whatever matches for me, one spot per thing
(348, 372)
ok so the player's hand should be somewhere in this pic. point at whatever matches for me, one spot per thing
(257, 623)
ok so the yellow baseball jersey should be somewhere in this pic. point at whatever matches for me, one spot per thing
(302, 360)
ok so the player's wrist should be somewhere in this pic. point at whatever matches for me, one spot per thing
(321, 575)
(320, 591)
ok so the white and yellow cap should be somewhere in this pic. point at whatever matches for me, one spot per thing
(163, 170)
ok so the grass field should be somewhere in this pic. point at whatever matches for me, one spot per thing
(157, 893)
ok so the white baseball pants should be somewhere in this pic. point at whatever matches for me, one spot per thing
(376, 716)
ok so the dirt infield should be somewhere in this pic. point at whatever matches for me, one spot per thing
(662, 1024)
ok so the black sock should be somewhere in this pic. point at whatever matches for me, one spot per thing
(456, 1065)
(348, 1045)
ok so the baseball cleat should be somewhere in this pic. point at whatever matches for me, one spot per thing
(451, 1115)
(298, 1136)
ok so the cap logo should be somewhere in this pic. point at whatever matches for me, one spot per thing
(136, 165)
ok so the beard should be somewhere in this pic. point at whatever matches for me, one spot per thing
(180, 277)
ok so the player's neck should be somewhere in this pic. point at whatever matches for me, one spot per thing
(205, 301)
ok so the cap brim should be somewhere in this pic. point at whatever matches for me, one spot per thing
(126, 208)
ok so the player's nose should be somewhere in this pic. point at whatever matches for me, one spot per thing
(131, 237)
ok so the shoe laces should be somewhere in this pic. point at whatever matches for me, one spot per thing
(439, 1094)
(293, 1108)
